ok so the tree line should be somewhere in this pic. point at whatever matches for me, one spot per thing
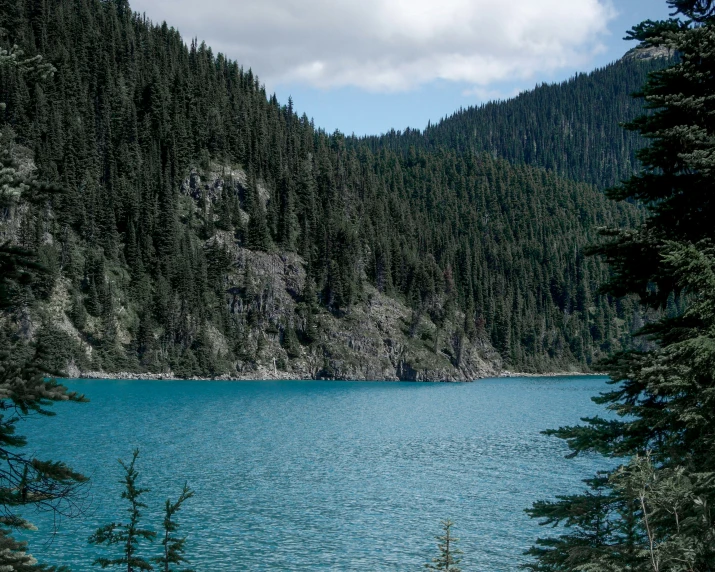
(132, 111)
(572, 128)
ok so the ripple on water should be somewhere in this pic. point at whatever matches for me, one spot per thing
(323, 475)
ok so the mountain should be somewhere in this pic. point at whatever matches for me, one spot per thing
(204, 229)
(573, 128)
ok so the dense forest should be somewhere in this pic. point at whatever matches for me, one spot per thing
(148, 188)
(175, 165)
(573, 128)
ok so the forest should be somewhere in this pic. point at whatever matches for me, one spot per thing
(171, 161)
(573, 129)
(110, 127)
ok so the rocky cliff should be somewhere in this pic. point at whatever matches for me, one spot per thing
(376, 339)
(285, 333)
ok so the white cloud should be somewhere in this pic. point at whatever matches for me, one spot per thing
(393, 45)
(486, 94)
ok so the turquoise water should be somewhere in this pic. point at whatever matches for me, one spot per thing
(321, 475)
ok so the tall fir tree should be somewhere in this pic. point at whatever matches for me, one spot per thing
(653, 511)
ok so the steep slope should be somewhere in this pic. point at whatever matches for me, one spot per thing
(207, 230)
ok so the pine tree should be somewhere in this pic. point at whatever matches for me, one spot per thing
(15, 557)
(697, 10)
(653, 511)
(449, 555)
(258, 237)
(173, 545)
(129, 535)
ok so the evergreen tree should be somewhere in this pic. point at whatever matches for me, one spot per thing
(129, 535)
(15, 557)
(173, 545)
(257, 235)
(653, 511)
(25, 388)
(449, 555)
(697, 10)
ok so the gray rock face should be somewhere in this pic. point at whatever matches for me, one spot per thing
(371, 341)
(649, 53)
(378, 338)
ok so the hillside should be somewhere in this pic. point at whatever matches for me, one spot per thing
(573, 128)
(206, 230)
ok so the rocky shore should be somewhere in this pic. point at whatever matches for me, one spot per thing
(553, 374)
(266, 374)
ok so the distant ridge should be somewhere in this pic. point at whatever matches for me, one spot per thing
(573, 128)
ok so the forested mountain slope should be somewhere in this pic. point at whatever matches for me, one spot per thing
(573, 128)
(205, 229)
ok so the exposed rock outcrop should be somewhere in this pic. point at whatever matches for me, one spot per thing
(371, 341)
(282, 336)
(649, 53)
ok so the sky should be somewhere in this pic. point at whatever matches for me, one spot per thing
(368, 66)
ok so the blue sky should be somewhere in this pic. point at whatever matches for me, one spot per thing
(367, 66)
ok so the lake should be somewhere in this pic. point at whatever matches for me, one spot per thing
(321, 475)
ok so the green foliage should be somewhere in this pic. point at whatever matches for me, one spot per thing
(173, 545)
(15, 557)
(27, 482)
(138, 225)
(25, 390)
(654, 511)
(677, 173)
(698, 10)
(129, 535)
(58, 347)
(449, 555)
(290, 343)
(19, 270)
(571, 128)
(674, 516)
(14, 58)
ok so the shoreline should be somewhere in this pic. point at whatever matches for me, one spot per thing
(276, 376)
(552, 374)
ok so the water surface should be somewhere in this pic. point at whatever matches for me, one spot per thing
(321, 475)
